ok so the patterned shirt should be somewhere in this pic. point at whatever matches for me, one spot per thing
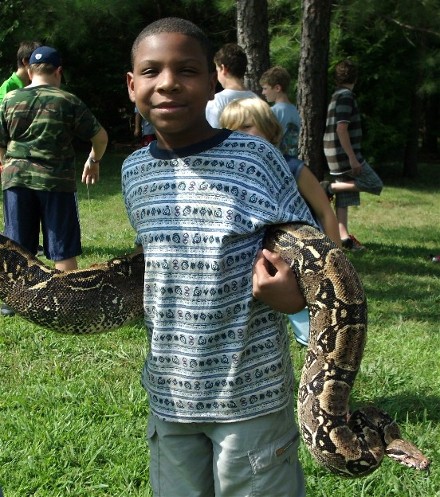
(217, 354)
(289, 118)
(37, 127)
(342, 108)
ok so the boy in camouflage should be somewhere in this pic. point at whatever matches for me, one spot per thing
(37, 126)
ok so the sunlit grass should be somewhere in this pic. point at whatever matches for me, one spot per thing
(73, 413)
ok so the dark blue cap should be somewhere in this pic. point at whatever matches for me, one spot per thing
(45, 55)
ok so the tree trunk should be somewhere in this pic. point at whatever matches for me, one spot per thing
(312, 82)
(253, 37)
(431, 112)
(410, 169)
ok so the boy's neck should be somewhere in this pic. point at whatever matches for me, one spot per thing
(22, 73)
(349, 86)
(282, 98)
(232, 83)
(172, 142)
(45, 79)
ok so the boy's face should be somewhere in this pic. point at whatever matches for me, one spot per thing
(250, 128)
(170, 85)
(270, 92)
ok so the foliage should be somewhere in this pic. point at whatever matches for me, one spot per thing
(396, 42)
(73, 413)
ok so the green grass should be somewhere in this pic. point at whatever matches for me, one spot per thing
(72, 410)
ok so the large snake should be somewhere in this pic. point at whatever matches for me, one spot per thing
(106, 296)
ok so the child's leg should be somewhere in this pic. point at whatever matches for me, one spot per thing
(368, 181)
(342, 216)
(258, 457)
(180, 459)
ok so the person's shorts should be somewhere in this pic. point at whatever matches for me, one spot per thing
(25, 210)
(368, 181)
(258, 456)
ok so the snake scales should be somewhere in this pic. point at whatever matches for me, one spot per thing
(108, 295)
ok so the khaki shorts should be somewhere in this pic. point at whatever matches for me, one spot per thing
(257, 457)
(368, 181)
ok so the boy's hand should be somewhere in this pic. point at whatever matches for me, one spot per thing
(90, 174)
(274, 283)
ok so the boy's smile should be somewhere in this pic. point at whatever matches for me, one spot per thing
(170, 85)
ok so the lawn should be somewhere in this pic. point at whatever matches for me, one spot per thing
(72, 410)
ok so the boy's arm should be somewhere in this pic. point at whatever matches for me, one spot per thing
(275, 284)
(314, 195)
(90, 174)
(344, 139)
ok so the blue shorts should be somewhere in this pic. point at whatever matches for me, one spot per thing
(25, 210)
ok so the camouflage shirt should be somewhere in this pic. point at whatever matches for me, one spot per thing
(37, 128)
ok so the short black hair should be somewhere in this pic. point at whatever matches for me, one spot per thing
(175, 25)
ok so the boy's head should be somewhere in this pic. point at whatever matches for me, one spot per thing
(275, 83)
(345, 72)
(233, 58)
(254, 117)
(172, 81)
(24, 52)
(274, 76)
(175, 25)
(44, 60)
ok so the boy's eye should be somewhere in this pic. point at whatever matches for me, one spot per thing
(189, 70)
(149, 71)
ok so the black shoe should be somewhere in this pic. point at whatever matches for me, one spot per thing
(326, 186)
(352, 244)
(6, 310)
(347, 243)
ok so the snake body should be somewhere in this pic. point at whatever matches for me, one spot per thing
(100, 298)
(106, 296)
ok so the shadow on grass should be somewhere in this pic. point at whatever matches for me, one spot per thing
(383, 258)
(407, 406)
(389, 274)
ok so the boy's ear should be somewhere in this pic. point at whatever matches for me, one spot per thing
(130, 86)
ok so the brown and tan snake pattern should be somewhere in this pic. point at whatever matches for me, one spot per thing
(106, 296)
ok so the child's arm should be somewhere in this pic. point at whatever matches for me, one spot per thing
(312, 192)
(274, 283)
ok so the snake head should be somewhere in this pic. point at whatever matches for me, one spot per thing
(406, 453)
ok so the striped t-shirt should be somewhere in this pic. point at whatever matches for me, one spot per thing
(216, 353)
(342, 108)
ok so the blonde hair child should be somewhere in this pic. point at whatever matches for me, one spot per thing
(254, 117)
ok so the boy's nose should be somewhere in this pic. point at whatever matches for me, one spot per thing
(168, 81)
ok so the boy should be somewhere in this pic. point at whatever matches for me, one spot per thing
(275, 84)
(19, 78)
(218, 373)
(38, 158)
(230, 63)
(342, 148)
